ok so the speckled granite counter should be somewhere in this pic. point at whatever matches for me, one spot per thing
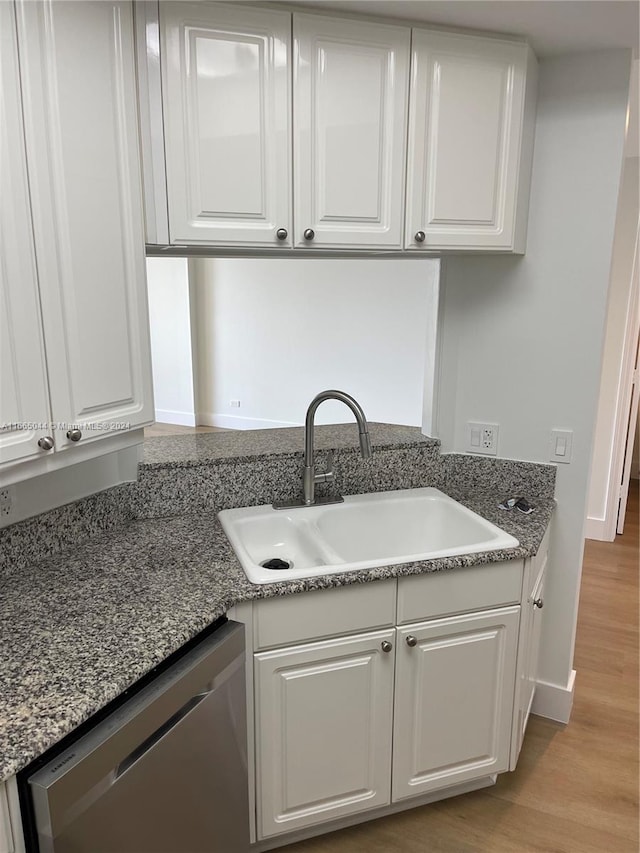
(194, 449)
(80, 626)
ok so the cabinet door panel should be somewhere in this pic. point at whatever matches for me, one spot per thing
(81, 130)
(23, 382)
(227, 105)
(466, 115)
(350, 90)
(324, 715)
(454, 699)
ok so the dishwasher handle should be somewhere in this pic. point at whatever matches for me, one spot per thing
(139, 752)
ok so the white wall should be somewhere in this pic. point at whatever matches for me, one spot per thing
(170, 322)
(620, 342)
(521, 338)
(615, 382)
(273, 333)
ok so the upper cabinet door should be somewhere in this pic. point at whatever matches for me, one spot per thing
(470, 142)
(350, 108)
(24, 404)
(227, 107)
(78, 77)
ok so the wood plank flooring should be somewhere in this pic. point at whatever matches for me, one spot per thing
(576, 788)
(174, 429)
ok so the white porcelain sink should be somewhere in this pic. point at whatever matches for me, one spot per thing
(377, 529)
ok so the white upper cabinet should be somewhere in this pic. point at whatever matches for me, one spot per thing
(472, 109)
(227, 111)
(24, 396)
(78, 85)
(350, 124)
(348, 134)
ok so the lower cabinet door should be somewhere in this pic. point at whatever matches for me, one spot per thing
(454, 698)
(323, 738)
(536, 603)
(527, 670)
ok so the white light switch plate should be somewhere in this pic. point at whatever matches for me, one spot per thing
(561, 445)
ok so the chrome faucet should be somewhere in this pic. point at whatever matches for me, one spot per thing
(310, 478)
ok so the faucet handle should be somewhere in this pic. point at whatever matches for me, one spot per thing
(327, 476)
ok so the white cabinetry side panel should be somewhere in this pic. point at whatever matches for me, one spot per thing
(529, 646)
(324, 715)
(227, 107)
(454, 699)
(350, 108)
(465, 131)
(23, 382)
(6, 835)
(78, 75)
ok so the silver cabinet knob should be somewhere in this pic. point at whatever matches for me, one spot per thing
(386, 646)
(411, 641)
(309, 234)
(538, 603)
(46, 443)
(74, 435)
(420, 236)
(282, 233)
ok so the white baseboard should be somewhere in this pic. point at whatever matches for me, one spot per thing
(239, 422)
(596, 528)
(553, 700)
(166, 416)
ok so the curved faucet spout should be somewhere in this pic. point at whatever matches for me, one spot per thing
(310, 477)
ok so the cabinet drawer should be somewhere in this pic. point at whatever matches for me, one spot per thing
(323, 613)
(458, 590)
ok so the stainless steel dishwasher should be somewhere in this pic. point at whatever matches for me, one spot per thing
(164, 773)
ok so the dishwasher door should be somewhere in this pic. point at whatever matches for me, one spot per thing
(164, 773)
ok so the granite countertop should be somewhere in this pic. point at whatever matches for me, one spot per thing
(204, 447)
(79, 628)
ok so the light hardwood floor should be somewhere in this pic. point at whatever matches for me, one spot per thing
(173, 429)
(576, 788)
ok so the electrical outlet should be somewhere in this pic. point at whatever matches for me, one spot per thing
(235, 404)
(7, 501)
(482, 438)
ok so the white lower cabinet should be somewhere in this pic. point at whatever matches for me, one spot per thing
(453, 700)
(323, 726)
(529, 645)
(380, 714)
(6, 836)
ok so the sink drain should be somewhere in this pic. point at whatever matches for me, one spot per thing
(277, 564)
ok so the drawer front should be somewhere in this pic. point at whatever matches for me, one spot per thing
(459, 590)
(323, 613)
